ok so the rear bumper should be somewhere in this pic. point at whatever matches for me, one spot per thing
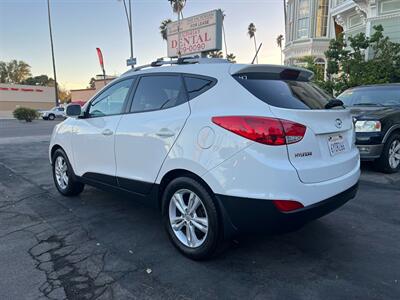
(370, 152)
(244, 215)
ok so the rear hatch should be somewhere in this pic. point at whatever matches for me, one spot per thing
(327, 150)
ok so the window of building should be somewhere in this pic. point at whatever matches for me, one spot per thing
(158, 92)
(355, 21)
(389, 6)
(303, 19)
(290, 23)
(322, 18)
(337, 2)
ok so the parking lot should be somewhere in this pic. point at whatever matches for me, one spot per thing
(106, 246)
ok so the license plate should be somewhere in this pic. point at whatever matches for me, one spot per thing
(336, 145)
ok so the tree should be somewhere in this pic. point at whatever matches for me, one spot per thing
(347, 65)
(64, 95)
(92, 83)
(163, 28)
(14, 71)
(231, 58)
(39, 80)
(317, 69)
(3, 72)
(177, 6)
(251, 31)
(279, 41)
(215, 54)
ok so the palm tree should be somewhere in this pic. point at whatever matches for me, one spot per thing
(215, 54)
(279, 41)
(163, 28)
(251, 31)
(177, 7)
(231, 58)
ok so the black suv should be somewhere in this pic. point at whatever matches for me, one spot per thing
(376, 112)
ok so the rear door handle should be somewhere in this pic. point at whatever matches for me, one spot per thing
(165, 132)
(107, 132)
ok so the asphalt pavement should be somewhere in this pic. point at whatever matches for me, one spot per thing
(104, 246)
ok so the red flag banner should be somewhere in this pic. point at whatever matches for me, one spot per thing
(100, 55)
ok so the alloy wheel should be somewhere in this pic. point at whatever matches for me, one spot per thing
(188, 218)
(394, 154)
(61, 172)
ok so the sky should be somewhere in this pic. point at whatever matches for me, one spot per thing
(79, 26)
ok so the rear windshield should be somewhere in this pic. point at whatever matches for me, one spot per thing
(372, 96)
(292, 94)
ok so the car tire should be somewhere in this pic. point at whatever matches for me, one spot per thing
(389, 162)
(63, 175)
(51, 117)
(197, 232)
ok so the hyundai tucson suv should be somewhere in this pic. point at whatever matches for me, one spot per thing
(376, 111)
(221, 149)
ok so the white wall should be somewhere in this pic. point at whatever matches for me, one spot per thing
(26, 93)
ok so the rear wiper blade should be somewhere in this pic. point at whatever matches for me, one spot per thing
(334, 103)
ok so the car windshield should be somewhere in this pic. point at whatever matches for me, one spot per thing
(372, 96)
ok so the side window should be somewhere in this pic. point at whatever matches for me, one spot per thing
(197, 86)
(111, 101)
(158, 92)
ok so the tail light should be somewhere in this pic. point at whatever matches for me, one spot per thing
(269, 131)
(287, 205)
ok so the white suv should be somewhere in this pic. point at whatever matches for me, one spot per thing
(220, 148)
(55, 112)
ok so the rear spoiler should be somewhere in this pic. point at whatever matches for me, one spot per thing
(273, 71)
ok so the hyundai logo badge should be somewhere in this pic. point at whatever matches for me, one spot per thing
(338, 123)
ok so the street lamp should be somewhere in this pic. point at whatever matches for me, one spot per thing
(131, 61)
(52, 53)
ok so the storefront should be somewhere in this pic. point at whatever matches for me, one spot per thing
(13, 96)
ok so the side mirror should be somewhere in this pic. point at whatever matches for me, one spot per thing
(73, 110)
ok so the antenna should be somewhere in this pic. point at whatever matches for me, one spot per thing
(258, 50)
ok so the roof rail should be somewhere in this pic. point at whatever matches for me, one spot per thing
(181, 61)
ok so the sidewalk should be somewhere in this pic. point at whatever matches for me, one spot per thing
(6, 115)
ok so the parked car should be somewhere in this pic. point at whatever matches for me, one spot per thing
(55, 112)
(376, 110)
(219, 148)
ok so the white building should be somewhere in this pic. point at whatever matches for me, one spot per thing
(310, 24)
(307, 32)
(354, 16)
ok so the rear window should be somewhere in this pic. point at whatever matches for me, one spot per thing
(372, 96)
(292, 94)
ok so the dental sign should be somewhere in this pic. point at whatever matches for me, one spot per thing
(196, 34)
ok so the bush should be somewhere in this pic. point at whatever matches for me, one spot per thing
(24, 113)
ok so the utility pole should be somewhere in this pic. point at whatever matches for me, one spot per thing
(52, 53)
(131, 61)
